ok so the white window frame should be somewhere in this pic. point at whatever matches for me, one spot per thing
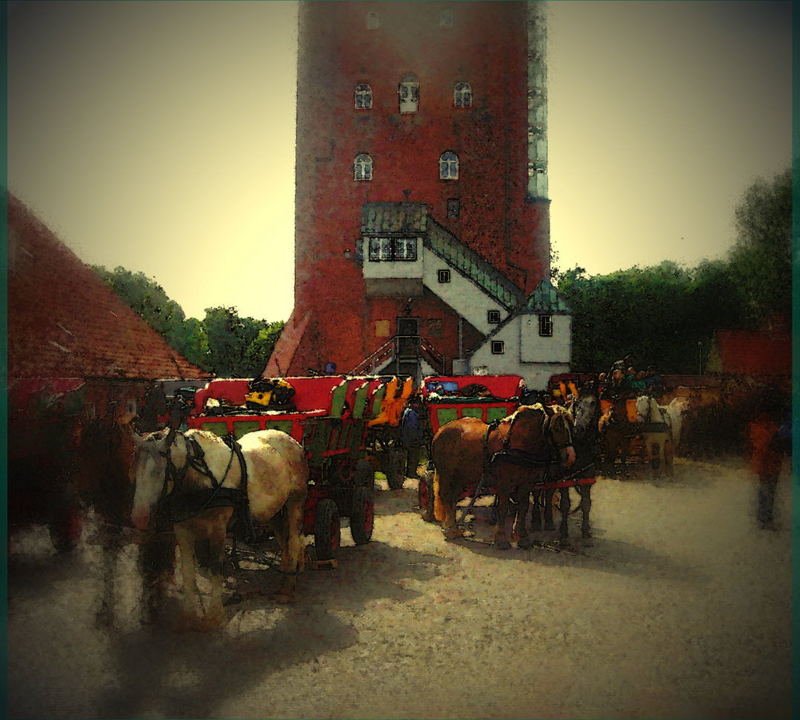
(363, 96)
(362, 167)
(462, 95)
(373, 20)
(408, 94)
(448, 165)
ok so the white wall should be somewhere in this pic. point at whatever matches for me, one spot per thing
(537, 373)
(466, 298)
(534, 348)
(384, 269)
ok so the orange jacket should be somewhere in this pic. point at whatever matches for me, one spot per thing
(764, 459)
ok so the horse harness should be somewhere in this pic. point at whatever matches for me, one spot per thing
(174, 508)
(514, 456)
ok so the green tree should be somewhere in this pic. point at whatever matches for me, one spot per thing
(761, 260)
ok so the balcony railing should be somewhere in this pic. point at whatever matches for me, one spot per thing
(403, 348)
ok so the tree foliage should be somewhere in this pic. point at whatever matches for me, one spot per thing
(221, 343)
(666, 315)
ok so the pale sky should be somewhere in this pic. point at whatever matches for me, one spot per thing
(160, 135)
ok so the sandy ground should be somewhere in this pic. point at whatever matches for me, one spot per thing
(679, 608)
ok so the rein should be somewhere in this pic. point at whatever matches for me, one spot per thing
(181, 506)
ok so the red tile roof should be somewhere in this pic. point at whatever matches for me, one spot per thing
(753, 353)
(65, 322)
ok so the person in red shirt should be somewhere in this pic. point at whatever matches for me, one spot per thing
(765, 456)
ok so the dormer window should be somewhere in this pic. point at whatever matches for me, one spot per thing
(362, 167)
(373, 21)
(448, 166)
(462, 95)
(408, 93)
(363, 95)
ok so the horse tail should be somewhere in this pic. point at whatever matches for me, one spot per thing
(438, 506)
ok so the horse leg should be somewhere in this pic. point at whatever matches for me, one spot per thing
(192, 607)
(521, 520)
(586, 507)
(548, 509)
(564, 508)
(448, 497)
(156, 563)
(111, 547)
(217, 525)
(500, 539)
(292, 550)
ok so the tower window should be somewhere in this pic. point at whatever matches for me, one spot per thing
(546, 325)
(382, 249)
(453, 207)
(363, 96)
(493, 317)
(498, 347)
(446, 19)
(373, 21)
(443, 276)
(462, 95)
(362, 167)
(448, 166)
(408, 93)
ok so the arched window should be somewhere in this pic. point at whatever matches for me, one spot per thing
(462, 95)
(362, 167)
(446, 19)
(408, 92)
(448, 166)
(373, 21)
(363, 96)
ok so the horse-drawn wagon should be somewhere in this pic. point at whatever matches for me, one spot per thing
(487, 408)
(330, 416)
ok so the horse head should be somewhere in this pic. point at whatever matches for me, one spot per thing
(559, 427)
(647, 409)
(153, 455)
(585, 412)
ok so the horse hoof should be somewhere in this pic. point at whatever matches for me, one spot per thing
(502, 545)
(525, 543)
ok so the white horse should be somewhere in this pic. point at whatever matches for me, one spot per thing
(185, 468)
(656, 432)
(677, 408)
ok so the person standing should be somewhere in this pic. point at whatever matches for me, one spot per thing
(412, 436)
(765, 459)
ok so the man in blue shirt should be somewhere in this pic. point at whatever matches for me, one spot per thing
(412, 435)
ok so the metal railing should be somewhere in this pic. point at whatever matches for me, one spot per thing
(402, 348)
(472, 266)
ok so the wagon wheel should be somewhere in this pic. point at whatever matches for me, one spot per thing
(425, 497)
(364, 474)
(362, 516)
(326, 530)
(395, 474)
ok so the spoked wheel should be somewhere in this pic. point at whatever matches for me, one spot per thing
(362, 517)
(425, 497)
(327, 532)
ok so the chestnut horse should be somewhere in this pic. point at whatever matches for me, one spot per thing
(510, 457)
(202, 478)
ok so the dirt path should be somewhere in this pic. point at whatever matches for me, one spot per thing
(680, 608)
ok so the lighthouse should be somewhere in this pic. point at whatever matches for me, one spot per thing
(422, 237)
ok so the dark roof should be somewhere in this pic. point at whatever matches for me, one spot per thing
(65, 322)
(545, 299)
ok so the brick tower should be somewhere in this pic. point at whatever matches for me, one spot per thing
(421, 191)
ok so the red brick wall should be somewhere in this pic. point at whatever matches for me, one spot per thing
(487, 47)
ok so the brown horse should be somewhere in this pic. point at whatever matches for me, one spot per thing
(615, 430)
(511, 457)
